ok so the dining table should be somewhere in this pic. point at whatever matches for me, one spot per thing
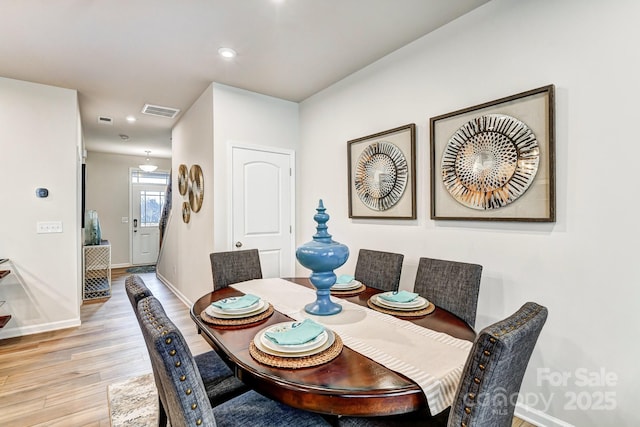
(359, 381)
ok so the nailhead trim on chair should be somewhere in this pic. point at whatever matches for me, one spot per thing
(492, 349)
(491, 377)
(168, 347)
(136, 288)
(218, 380)
(478, 371)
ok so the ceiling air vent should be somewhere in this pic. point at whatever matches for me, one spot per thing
(157, 110)
(105, 120)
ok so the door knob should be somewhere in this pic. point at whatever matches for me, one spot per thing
(238, 244)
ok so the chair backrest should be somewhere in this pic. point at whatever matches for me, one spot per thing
(234, 267)
(378, 269)
(494, 369)
(451, 285)
(185, 397)
(136, 290)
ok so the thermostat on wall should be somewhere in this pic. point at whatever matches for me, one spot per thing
(42, 192)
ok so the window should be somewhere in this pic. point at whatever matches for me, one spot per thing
(151, 186)
(151, 203)
(142, 177)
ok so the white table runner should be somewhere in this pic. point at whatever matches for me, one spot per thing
(433, 360)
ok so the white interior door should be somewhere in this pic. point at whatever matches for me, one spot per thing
(263, 206)
(146, 207)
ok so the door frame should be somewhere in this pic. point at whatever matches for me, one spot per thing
(231, 145)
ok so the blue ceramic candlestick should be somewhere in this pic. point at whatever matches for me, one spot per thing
(322, 255)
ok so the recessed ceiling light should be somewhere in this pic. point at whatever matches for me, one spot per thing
(131, 119)
(227, 52)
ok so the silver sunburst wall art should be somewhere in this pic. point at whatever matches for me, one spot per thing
(490, 161)
(381, 175)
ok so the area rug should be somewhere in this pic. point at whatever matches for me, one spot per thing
(134, 402)
(142, 269)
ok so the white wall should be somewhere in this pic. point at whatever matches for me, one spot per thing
(221, 115)
(580, 267)
(107, 192)
(40, 145)
(249, 118)
(184, 257)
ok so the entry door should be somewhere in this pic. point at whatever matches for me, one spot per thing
(146, 208)
(263, 206)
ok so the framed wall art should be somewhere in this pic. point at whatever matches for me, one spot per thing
(382, 173)
(495, 161)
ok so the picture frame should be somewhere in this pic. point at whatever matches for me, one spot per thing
(495, 161)
(382, 174)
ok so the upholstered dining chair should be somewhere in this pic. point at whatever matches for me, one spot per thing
(491, 378)
(136, 290)
(218, 379)
(185, 398)
(234, 267)
(451, 285)
(378, 269)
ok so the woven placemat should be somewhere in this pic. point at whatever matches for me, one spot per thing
(350, 292)
(237, 322)
(417, 313)
(298, 362)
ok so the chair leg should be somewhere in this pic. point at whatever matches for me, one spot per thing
(162, 415)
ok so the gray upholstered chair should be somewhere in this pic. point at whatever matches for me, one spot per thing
(451, 285)
(491, 378)
(379, 270)
(218, 379)
(136, 290)
(234, 267)
(185, 398)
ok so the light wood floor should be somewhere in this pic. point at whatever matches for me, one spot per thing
(60, 378)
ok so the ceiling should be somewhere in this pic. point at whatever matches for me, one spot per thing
(122, 54)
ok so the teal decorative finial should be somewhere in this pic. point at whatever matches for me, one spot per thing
(322, 233)
(322, 255)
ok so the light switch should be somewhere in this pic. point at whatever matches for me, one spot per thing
(125, 219)
(44, 227)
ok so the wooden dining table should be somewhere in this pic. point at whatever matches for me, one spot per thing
(350, 384)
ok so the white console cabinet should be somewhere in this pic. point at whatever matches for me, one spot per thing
(97, 271)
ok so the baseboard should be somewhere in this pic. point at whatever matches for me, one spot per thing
(538, 418)
(173, 289)
(125, 265)
(9, 332)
